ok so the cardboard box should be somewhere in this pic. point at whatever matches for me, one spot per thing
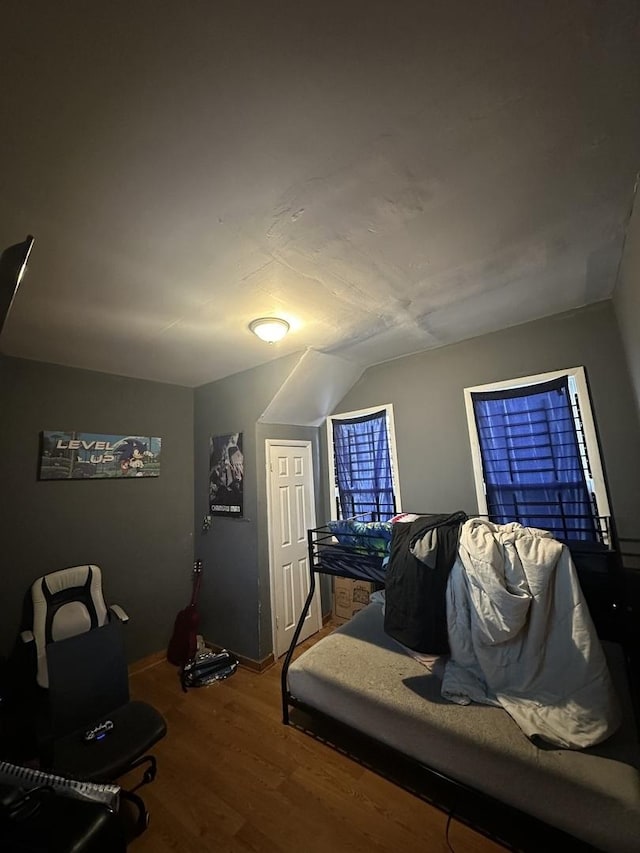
(349, 596)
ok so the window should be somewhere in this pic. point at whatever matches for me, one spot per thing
(535, 454)
(363, 472)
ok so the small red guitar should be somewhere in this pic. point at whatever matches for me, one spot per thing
(183, 642)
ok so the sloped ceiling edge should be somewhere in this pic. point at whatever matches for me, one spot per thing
(312, 390)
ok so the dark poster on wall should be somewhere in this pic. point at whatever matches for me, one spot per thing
(226, 475)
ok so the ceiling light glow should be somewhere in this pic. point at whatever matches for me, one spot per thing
(269, 329)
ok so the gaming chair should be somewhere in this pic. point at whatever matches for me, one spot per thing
(87, 727)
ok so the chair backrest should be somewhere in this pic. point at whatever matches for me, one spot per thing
(88, 678)
(65, 603)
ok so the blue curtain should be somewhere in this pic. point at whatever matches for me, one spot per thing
(531, 459)
(363, 466)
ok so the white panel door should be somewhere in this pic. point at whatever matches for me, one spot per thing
(291, 514)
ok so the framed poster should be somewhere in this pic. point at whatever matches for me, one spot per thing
(90, 456)
(226, 475)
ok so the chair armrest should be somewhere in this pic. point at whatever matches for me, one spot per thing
(27, 637)
(119, 613)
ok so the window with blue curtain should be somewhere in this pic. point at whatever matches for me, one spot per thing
(363, 466)
(531, 461)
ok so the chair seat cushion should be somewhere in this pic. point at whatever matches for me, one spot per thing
(136, 727)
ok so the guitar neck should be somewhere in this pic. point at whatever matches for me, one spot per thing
(197, 581)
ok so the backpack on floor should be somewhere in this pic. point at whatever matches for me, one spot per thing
(207, 667)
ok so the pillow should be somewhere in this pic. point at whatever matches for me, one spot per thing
(404, 516)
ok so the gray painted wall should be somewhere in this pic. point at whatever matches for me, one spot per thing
(139, 532)
(234, 592)
(626, 300)
(426, 390)
(142, 532)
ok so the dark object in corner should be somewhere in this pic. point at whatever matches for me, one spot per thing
(13, 262)
(184, 640)
(41, 819)
(208, 667)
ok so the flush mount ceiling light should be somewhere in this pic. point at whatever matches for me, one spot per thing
(269, 329)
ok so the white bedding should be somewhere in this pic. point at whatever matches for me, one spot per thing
(521, 636)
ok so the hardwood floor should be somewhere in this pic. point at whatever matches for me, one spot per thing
(233, 778)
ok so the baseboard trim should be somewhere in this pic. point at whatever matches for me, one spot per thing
(247, 663)
(147, 663)
(327, 617)
(158, 657)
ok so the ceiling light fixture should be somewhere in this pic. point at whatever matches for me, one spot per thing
(269, 329)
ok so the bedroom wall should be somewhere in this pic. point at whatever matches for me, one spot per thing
(139, 532)
(234, 591)
(626, 300)
(426, 390)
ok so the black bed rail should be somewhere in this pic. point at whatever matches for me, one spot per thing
(317, 538)
(554, 517)
(358, 556)
(599, 566)
(286, 696)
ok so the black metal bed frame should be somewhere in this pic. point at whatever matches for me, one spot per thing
(601, 576)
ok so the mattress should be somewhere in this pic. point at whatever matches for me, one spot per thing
(362, 677)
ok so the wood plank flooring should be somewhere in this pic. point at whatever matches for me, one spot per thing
(232, 778)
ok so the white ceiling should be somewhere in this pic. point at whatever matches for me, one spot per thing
(388, 176)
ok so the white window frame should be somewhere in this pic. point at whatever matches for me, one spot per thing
(391, 432)
(588, 424)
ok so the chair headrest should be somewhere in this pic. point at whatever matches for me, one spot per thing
(65, 603)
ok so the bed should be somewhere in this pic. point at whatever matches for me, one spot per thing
(359, 690)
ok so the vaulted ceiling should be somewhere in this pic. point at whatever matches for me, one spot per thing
(387, 176)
